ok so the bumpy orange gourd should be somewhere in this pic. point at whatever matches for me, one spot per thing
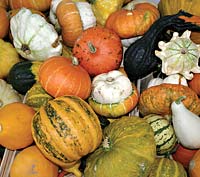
(30, 162)
(99, 50)
(4, 27)
(60, 76)
(134, 21)
(15, 125)
(41, 5)
(194, 165)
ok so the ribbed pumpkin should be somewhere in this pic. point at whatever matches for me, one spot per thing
(163, 167)
(36, 96)
(41, 5)
(128, 150)
(99, 50)
(74, 17)
(66, 129)
(4, 28)
(132, 20)
(60, 76)
(157, 99)
(194, 165)
(164, 133)
(169, 7)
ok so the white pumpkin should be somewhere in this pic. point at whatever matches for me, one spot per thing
(33, 37)
(180, 55)
(8, 94)
(111, 87)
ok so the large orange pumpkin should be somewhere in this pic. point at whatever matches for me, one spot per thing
(4, 27)
(134, 20)
(15, 125)
(99, 50)
(194, 166)
(30, 162)
(59, 76)
(41, 5)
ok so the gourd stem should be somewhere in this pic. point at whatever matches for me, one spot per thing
(75, 61)
(178, 101)
(106, 143)
(91, 47)
(25, 49)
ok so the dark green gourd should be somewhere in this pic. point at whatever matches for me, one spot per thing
(139, 58)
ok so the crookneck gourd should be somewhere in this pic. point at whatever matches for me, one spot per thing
(140, 59)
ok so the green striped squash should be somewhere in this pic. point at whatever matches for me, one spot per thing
(65, 130)
(36, 96)
(164, 167)
(164, 133)
(128, 150)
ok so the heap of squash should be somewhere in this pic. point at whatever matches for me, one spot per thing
(70, 93)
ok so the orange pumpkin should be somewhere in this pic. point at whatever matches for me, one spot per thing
(99, 50)
(30, 162)
(194, 166)
(4, 4)
(194, 84)
(59, 76)
(41, 5)
(4, 27)
(15, 125)
(134, 20)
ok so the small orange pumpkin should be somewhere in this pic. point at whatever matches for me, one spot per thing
(194, 165)
(194, 84)
(59, 76)
(41, 5)
(134, 20)
(99, 50)
(4, 27)
(30, 162)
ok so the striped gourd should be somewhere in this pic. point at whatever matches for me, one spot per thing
(66, 129)
(164, 133)
(164, 167)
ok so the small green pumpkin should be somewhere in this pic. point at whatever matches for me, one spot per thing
(128, 150)
(164, 167)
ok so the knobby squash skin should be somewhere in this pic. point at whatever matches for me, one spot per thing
(66, 129)
(139, 58)
(158, 99)
(128, 150)
(23, 75)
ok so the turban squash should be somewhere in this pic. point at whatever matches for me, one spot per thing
(66, 129)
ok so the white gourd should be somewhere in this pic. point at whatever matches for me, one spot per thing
(180, 55)
(8, 94)
(186, 125)
(33, 37)
(111, 87)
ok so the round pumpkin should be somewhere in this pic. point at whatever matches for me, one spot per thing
(183, 155)
(9, 57)
(41, 5)
(132, 20)
(163, 167)
(194, 165)
(66, 129)
(4, 27)
(60, 76)
(194, 84)
(169, 7)
(30, 162)
(128, 149)
(15, 125)
(99, 50)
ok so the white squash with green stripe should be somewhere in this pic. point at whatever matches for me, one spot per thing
(164, 133)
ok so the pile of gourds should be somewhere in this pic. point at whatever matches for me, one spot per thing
(69, 92)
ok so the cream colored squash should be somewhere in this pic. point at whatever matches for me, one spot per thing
(8, 94)
(33, 37)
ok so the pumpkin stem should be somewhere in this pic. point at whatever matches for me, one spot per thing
(91, 47)
(178, 101)
(75, 61)
(106, 143)
(25, 49)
